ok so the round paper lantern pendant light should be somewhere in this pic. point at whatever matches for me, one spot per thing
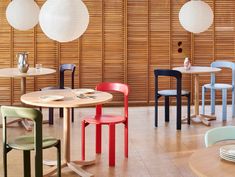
(64, 20)
(22, 14)
(196, 16)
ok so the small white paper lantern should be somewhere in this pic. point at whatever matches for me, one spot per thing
(64, 20)
(22, 14)
(196, 16)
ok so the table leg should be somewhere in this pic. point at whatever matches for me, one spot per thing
(72, 165)
(197, 117)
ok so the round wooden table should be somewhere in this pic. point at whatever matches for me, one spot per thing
(70, 101)
(207, 163)
(15, 73)
(196, 71)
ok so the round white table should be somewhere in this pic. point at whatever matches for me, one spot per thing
(69, 101)
(15, 73)
(196, 71)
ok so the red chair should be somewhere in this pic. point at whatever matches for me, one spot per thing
(111, 120)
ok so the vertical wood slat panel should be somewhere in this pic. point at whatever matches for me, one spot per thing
(160, 43)
(125, 41)
(224, 37)
(91, 47)
(47, 55)
(138, 49)
(5, 55)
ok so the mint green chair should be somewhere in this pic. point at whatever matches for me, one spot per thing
(219, 134)
(29, 142)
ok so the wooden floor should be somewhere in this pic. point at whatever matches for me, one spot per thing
(156, 152)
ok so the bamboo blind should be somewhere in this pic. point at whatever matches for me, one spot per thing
(125, 41)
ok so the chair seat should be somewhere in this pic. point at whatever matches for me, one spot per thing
(171, 92)
(27, 142)
(105, 119)
(218, 86)
(53, 88)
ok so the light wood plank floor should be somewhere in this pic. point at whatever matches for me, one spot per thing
(156, 152)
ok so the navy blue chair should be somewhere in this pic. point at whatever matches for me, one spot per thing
(63, 68)
(171, 93)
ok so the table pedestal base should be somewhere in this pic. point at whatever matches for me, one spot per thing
(205, 119)
(73, 165)
(24, 122)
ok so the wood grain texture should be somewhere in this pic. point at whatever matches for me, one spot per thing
(124, 42)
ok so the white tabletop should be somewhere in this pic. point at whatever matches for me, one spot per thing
(197, 70)
(70, 99)
(14, 72)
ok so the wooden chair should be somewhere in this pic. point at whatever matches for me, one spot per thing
(111, 120)
(63, 68)
(28, 143)
(171, 93)
(213, 86)
(218, 134)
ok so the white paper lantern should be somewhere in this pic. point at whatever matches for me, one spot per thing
(64, 20)
(196, 16)
(22, 14)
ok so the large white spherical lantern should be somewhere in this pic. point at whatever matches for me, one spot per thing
(64, 20)
(196, 16)
(22, 14)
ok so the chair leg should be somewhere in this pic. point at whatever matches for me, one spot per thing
(58, 146)
(224, 104)
(126, 139)
(83, 126)
(112, 145)
(212, 101)
(233, 103)
(72, 114)
(203, 99)
(27, 165)
(156, 111)
(51, 116)
(189, 108)
(61, 112)
(178, 113)
(98, 138)
(5, 161)
(167, 109)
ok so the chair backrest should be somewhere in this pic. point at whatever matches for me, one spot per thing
(36, 117)
(223, 64)
(67, 67)
(219, 134)
(114, 87)
(171, 73)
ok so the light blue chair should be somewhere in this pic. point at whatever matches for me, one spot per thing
(213, 86)
(218, 134)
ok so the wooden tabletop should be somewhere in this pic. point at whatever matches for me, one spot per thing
(207, 163)
(70, 99)
(197, 70)
(14, 72)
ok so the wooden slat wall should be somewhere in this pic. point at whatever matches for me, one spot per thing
(125, 41)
